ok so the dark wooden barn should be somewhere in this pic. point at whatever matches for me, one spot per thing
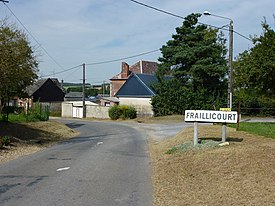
(46, 90)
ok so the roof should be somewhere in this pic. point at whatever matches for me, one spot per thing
(138, 85)
(80, 103)
(74, 96)
(110, 99)
(144, 67)
(39, 83)
(140, 67)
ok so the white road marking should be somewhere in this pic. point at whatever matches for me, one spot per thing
(99, 143)
(62, 169)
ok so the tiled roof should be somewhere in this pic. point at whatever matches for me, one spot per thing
(144, 67)
(140, 67)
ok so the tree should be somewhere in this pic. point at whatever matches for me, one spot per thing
(196, 58)
(18, 64)
(254, 73)
(256, 68)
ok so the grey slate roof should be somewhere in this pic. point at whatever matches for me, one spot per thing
(39, 83)
(138, 85)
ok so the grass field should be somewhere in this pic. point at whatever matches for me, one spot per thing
(259, 128)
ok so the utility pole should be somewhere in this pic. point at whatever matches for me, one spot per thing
(103, 89)
(230, 65)
(83, 92)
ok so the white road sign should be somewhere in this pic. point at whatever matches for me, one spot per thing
(210, 116)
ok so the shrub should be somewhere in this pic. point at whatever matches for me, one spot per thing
(114, 112)
(5, 140)
(130, 113)
(123, 112)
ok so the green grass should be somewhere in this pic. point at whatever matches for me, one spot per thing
(259, 128)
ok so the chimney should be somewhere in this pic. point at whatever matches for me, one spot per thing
(125, 72)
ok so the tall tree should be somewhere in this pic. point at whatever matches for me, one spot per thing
(18, 65)
(254, 74)
(195, 56)
(255, 68)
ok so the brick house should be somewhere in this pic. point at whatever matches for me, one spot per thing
(141, 67)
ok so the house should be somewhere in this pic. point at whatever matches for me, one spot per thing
(106, 101)
(137, 91)
(75, 96)
(48, 92)
(141, 67)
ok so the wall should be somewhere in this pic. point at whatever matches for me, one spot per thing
(92, 111)
(97, 112)
(67, 109)
(115, 86)
(142, 105)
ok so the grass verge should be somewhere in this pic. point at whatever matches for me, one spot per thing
(258, 128)
(239, 174)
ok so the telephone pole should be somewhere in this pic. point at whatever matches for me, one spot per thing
(83, 92)
(230, 59)
(230, 64)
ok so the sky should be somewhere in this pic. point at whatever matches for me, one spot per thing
(67, 33)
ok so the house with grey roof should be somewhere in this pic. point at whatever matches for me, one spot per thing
(141, 67)
(137, 91)
(46, 90)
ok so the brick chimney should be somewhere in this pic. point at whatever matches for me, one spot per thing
(125, 72)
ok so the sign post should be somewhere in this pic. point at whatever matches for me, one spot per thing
(210, 116)
(196, 133)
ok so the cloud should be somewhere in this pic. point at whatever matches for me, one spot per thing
(76, 32)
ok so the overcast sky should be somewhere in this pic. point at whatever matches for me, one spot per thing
(74, 32)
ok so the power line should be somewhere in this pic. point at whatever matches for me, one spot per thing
(62, 71)
(178, 16)
(103, 62)
(160, 10)
(40, 45)
(124, 58)
(249, 39)
(169, 13)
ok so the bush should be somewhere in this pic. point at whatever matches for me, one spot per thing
(5, 141)
(122, 112)
(130, 113)
(114, 112)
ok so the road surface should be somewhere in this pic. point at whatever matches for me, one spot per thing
(107, 164)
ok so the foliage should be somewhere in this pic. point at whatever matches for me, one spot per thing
(5, 141)
(122, 112)
(114, 112)
(36, 113)
(18, 64)
(90, 91)
(196, 58)
(187, 146)
(259, 128)
(254, 74)
(39, 112)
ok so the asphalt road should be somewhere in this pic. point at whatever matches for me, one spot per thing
(108, 164)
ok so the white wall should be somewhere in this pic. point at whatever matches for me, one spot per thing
(92, 111)
(142, 105)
